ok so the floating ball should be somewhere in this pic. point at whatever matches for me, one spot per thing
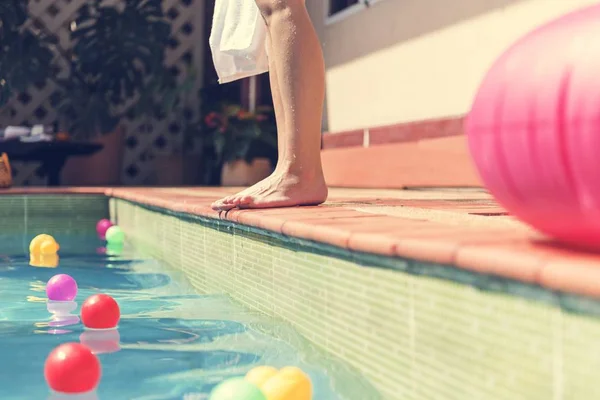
(260, 375)
(49, 248)
(72, 368)
(534, 128)
(100, 311)
(43, 244)
(61, 287)
(290, 383)
(102, 226)
(115, 235)
(44, 261)
(237, 389)
(114, 249)
(36, 242)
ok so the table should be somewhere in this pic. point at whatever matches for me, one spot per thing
(52, 155)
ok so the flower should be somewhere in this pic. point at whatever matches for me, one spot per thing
(213, 120)
(244, 115)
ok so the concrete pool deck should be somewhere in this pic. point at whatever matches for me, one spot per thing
(464, 228)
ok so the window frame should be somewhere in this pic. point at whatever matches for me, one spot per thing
(347, 12)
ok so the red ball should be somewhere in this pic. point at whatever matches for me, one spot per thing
(72, 368)
(100, 311)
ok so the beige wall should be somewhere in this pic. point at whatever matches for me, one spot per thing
(406, 60)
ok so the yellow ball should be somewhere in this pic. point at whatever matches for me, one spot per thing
(43, 244)
(36, 242)
(44, 261)
(289, 384)
(49, 247)
(260, 375)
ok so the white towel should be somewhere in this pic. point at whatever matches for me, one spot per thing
(238, 40)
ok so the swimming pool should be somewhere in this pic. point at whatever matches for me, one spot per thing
(171, 343)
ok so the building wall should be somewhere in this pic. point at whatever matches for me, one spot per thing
(407, 60)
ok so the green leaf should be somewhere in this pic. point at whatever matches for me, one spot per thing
(24, 58)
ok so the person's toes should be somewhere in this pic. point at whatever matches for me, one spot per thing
(240, 200)
(220, 205)
(246, 200)
(228, 200)
(215, 205)
(234, 200)
(226, 207)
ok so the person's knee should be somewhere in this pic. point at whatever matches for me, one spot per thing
(271, 8)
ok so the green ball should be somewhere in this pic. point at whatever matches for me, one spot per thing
(237, 389)
(114, 249)
(115, 235)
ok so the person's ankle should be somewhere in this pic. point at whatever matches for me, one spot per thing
(301, 171)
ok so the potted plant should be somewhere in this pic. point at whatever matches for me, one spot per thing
(240, 143)
(24, 60)
(181, 163)
(116, 69)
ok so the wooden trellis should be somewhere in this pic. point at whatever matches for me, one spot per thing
(145, 137)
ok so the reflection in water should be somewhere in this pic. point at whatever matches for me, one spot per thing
(60, 308)
(101, 341)
(44, 261)
(111, 249)
(114, 249)
(82, 396)
(61, 316)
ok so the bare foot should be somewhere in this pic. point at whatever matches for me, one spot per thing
(278, 190)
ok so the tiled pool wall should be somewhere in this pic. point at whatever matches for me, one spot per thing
(414, 336)
(59, 215)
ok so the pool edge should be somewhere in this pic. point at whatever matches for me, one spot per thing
(332, 295)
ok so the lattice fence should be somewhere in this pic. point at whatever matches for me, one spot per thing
(146, 137)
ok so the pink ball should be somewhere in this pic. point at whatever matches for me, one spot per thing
(102, 226)
(61, 288)
(534, 129)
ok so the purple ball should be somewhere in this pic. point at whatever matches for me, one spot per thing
(61, 288)
(102, 226)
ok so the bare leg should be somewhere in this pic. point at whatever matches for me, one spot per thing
(298, 86)
(280, 121)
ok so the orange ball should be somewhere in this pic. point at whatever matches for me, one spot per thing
(290, 383)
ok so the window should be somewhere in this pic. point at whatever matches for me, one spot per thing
(336, 10)
(336, 6)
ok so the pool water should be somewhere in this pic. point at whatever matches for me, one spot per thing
(171, 343)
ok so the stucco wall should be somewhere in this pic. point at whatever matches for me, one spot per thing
(406, 60)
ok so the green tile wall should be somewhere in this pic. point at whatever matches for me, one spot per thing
(413, 336)
(59, 214)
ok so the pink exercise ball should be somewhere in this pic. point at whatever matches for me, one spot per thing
(102, 226)
(534, 129)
